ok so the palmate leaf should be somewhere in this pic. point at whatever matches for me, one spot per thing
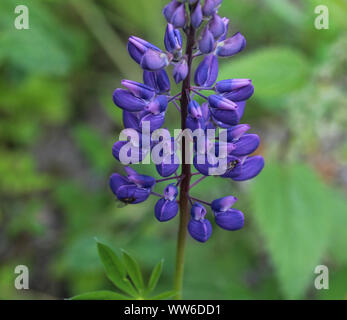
(293, 211)
(101, 295)
(134, 271)
(153, 280)
(115, 269)
(164, 296)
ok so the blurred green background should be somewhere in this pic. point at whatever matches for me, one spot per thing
(58, 124)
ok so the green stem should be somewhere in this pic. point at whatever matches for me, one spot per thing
(186, 174)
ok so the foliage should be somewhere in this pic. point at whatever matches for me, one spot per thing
(126, 275)
(56, 130)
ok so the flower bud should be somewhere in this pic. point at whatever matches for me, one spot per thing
(226, 22)
(127, 101)
(180, 71)
(169, 10)
(158, 105)
(154, 60)
(200, 230)
(198, 211)
(168, 166)
(226, 86)
(206, 73)
(137, 48)
(170, 192)
(216, 26)
(179, 17)
(234, 167)
(223, 204)
(246, 145)
(165, 210)
(236, 132)
(231, 219)
(207, 42)
(126, 191)
(219, 102)
(196, 17)
(231, 46)
(136, 154)
(194, 109)
(209, 8)
(156, 120)
(130, 120)
(241, 94)
(158, 80)
(139, 90)
(141, 180)
(173, 39)
(251, 167)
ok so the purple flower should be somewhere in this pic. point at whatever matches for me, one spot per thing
(231, 46)
(207, 72)
(251, 167)
(127, 191)
(180, 71)
(158, 80)
(139, 90)
(173, 39)
(199, 228)
(231, 219)
(143, 104)
(127, 101)
(179, 18)
(165, 210)
(154, 60)
(137, 47)
(216, 26)
(207, 42)
(197, 16)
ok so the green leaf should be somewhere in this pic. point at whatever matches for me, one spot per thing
(275, 72)
(134, 271)
(100, 295)
(164, 296)
(292, 209)
(115, 269)
(153, 280)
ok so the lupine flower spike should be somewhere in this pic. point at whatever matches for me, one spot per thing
(145, 104)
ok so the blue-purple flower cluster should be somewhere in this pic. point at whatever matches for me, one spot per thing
(148, 102)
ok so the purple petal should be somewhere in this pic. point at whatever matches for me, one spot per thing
(132, 194)
(127, 101)
(169, 9)
(223, 204)
(196, 17)
(180, 71)
(229, 117)
(141, 180)
(200, 230)
(231, 219)
(178, 18)
(207, 42)
(158, 80)
(170, 192)
(216, 26)
(246, 145)
(139, 90)
(154, 60)
(173, 39)
(207, 72)
(226, 86)
(156, 120)
(158, 105)
(168, 167)
(130, 120)
(251, 168)
(240, 94)
(219, 102)
(165, 210)
(236, 132)
(231, 46)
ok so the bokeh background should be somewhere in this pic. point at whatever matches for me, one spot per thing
(58, 124)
